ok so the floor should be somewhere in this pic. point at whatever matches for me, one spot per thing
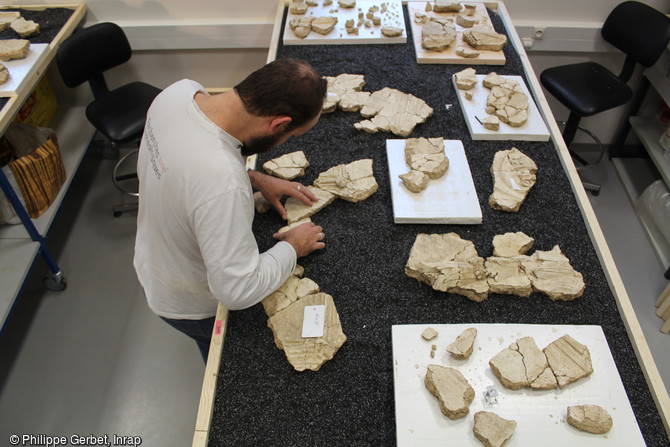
(94, 360)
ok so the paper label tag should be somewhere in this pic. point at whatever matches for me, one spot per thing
(313, 321)
(514, 184)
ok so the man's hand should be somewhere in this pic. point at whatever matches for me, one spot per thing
(304, 238)
(273, 189)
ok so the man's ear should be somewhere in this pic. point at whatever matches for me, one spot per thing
(279, 124)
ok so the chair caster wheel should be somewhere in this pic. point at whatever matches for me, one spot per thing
(55, 283)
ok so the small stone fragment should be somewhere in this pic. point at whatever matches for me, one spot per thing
(461, 348)
(590, 418)
(4, 74)
(492, 430)
(7, 17)
(427, 155)
(353, 182)
(391, 31)
(353, 101)
(451, 389)
(261, 205)
(297, 210)
(508, 276)
(297, 8)
(446, 6)
(491, 123)
(429, 7)
(287, 166)
(301, 27)
(449, 264)
(293, 225)
(14, 49)
(466, 79)
(347, 3)
(288, 293)
(466, 21)
(513, 176)
(324, 25)
(339, 85)
(25, 28)
(469, 9)
(429, 334)
(523, 365)
(512, 244)
(466, 52)
(481, 38)
(568, 359)
(415, 181)
(551, 273)
(436, 36)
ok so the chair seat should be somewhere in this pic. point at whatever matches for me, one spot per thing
(120, 114)
(586, 88)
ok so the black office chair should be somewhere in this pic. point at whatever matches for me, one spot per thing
(119, 114)
(642, 33)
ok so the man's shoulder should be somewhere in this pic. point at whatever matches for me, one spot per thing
(184, 86)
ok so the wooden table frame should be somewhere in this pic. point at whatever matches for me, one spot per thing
(633, 328)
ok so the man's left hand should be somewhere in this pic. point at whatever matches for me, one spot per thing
(273, 189)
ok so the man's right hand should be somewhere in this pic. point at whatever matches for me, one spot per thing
(304, 238)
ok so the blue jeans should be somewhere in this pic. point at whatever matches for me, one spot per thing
(198, 330)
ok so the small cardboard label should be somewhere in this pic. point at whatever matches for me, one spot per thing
(313, 321)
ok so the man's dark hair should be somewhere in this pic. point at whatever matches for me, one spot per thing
(286, 87)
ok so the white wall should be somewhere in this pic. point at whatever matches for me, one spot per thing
(217, 42)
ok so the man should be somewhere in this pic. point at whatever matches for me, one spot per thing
(194, 246)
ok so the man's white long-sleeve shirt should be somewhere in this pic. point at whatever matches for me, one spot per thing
(194, 245)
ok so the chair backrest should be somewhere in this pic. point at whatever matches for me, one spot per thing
(639, 31)
(88, 53)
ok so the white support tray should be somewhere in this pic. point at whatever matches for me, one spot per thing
(540, 415)
(339, 36)
(22, 69)
(450, 199)
(534, 129)
(449, 56)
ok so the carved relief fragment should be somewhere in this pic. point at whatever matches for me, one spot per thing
(353, 182)
(451, 389)
(513, 176)
(288, 166)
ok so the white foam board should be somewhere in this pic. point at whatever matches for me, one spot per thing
(21, 69)
(540, 415)
(449, 56)
(339, 36)
(450, 199)
(534, 129)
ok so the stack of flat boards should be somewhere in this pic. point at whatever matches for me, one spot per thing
(392, 16)
(449, 55)
(450, 199)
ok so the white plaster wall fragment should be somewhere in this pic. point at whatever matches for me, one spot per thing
(514, 174)
(287, 166)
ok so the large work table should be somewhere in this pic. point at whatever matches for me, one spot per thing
(252, 395)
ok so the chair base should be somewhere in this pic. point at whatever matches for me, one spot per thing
(123, 208)
(569, 133)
